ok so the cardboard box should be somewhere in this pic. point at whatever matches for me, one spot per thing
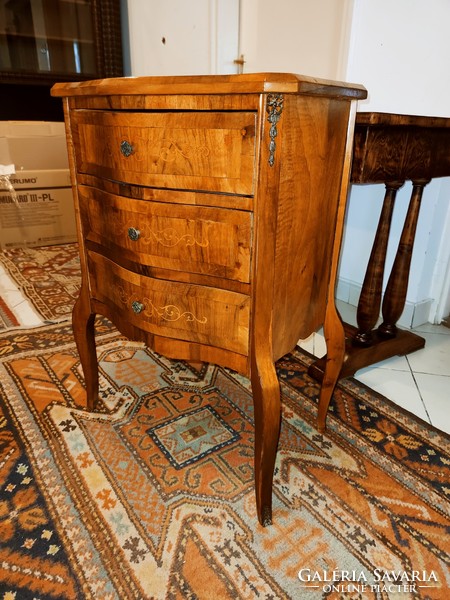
(39, 211)
(36, 205)
(33, 145)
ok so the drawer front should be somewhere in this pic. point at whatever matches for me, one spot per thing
(193, 313)
(194, 239)
(193, 151)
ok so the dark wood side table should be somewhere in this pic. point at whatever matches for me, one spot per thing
(389, 149)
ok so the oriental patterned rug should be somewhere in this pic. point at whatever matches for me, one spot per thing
(48, 278)
(7, 317)
(151, 497)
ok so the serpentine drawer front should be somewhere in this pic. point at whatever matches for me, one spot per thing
(187, 312)
(199, 150)
(210, 213)
(213, 241)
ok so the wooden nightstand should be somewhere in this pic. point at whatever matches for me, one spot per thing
(210, 213)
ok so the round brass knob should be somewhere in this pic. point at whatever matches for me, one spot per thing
(137, 307)
(134, 234)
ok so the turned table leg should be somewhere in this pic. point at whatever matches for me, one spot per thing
(267, 404)
(392, 148)
(365, 345)
(84, 333)
(395, 294)
(370, 298)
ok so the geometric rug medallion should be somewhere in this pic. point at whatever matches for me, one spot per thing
(152, 496)
(189, 438)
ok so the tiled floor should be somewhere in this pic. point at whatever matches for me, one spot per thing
(419, 382)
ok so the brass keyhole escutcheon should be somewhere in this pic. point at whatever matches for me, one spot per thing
(137, 307)
(126, 148)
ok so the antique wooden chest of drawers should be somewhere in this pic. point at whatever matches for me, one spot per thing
(210, 213)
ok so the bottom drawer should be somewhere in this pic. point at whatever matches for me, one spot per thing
(194, 313)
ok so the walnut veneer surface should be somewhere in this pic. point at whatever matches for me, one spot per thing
(210, 213)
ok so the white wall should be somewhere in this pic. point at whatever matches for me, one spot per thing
(180, 37)
(440, 287)
(204, 37)
(401, 52)
(308, 37)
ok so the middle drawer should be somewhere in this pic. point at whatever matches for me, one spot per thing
(196, 239)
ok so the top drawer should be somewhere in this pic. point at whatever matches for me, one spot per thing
(210, 151)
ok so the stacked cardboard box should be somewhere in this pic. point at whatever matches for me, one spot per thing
(36, 206)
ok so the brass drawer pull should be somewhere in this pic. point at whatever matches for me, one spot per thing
(137, 307)
(126, 148)
(134, 234)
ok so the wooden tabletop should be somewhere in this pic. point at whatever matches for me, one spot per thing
(390, 119)
(248, 83)
(398, 148)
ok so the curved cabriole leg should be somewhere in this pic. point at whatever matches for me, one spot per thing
(83, 330)
(335, 340)
(266, 400)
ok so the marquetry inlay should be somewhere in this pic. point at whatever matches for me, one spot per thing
(172, 150)
(168, 312)
(168, 237)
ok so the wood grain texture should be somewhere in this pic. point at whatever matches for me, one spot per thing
(203, 240)
(192, 151)
(400, 148)
(191, 312)
(216, 235)
(313, 145)
(248, 83)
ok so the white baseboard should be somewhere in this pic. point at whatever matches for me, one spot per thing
(414, 314)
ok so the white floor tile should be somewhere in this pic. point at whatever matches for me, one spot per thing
(418, 382)
(398, 386)
(434, 358)
(429, 328)
(395, 363)
(315, 344)
(307, 344)
(435, 391)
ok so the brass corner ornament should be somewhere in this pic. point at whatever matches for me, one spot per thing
(274, 108)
